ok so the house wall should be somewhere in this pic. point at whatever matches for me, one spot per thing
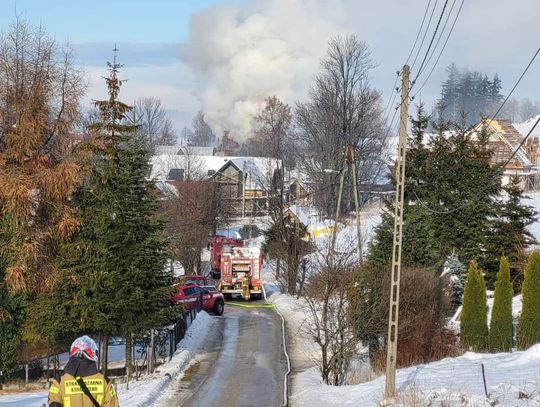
(253, 203)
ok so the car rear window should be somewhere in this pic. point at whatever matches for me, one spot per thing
(189, 291)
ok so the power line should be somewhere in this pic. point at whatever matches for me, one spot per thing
(441, 176)
(441, 33)
(426, 54)
(425, 34)
(474, 197)
(417, 35)
(517, 83)
(391, 99)
(442, 49)
(393, 96)
(431, 42)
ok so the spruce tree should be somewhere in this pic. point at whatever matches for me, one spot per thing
(446, 209)
(474, 329)
(529, 322)
(500, 328)
(457, 273)
(118, 254)
(511, 236)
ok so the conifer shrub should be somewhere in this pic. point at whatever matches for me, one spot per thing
(474, 329)
(500, 328)
(529, 323)
(456, 272)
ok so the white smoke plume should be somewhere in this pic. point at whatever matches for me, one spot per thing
(267, 47)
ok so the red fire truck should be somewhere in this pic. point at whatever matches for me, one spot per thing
(241, 273)
(218, 246)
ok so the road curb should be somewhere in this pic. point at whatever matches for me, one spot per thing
(288, 372)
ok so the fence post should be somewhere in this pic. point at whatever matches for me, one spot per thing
(150, 353)
(484, 379)
(48, 364)
(511, 335)
(171, 343)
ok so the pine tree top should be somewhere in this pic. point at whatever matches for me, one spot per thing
(112, 126)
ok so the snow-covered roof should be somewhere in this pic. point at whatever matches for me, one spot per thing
(503, 130)
(167, 189)
(198, 166)
(196, 150)
(297, 174)
(526, 126)
(259, 170)
(160, 150)
(305, 214)
(184, 150)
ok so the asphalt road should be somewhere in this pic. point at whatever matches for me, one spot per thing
(242, 363)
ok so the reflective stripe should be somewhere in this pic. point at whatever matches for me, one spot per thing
(54, 389)
(99, 399)
(67, 401)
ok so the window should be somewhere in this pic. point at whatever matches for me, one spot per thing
(176, 174)
(189, 291)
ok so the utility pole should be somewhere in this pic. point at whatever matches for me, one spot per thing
(336, 220)
(391, 347)
(244, 191)
(352, 163)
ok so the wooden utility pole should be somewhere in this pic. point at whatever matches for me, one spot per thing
(336, 220)
(244, 191)
(391, 347)
(352, 163)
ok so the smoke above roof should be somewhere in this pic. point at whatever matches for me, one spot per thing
(267, 47)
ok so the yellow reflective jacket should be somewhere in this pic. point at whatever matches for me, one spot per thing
(68, 393)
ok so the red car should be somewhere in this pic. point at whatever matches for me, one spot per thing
(197, 280)
(212, 299)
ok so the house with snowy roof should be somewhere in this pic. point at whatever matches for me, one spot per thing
(311, 218)
(245, 183)
(299, 187)
(504, 140)
(180, 167)
(184, 150)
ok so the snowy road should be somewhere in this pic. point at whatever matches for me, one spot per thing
(242, 364)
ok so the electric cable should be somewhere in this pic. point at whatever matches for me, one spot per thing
(474, 197)
(441, 51)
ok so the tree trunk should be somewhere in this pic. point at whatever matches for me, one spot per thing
(105, 356)
(292, 271)
(198, 262)
(48, 362)
(129, 353)
(303, 279)
(278, 268)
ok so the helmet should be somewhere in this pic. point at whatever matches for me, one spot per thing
(84, 347)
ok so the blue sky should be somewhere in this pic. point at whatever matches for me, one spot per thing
(108, 20)
(149, 34)
(225, 56)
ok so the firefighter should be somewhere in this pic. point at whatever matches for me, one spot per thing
(245, 287)
(82, 385)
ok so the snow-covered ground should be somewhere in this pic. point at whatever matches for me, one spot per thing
(448, 382)
(150, 388)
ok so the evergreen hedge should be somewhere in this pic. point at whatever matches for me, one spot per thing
(500, 329)
(474, 329)
(529, 323)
